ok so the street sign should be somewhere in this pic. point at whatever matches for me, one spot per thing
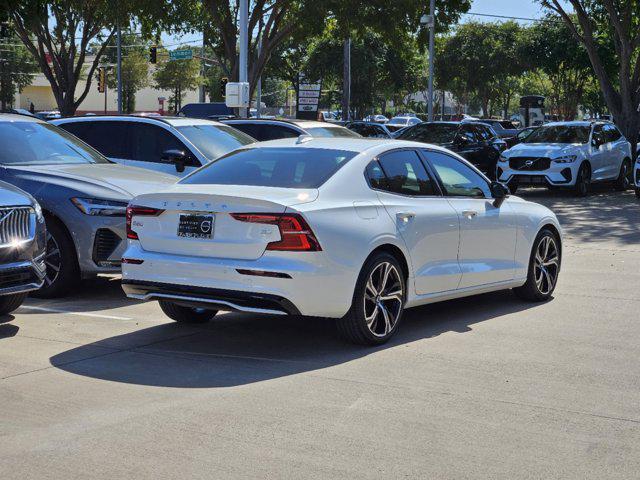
(308, 98)
(181, 54)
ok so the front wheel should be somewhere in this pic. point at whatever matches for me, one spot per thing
(583, 181)
(624, 180)
(637, 192)
(182, 314)
(513, 186)
(378, 302)
(9, 303)
(544, 268)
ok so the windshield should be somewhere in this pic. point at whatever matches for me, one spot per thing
(430, 133)
(273, 167)
(559, 134)
(215, 140)
(331, 132)
(32, 143)
(399, 121)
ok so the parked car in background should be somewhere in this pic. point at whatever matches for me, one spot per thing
(636, 177)
(376, 118)
(474, 141)
(52, 115)
(171, 145)
(83, 196)
(206, 110)
(345, 228)
(263, 130)
(396, 123)
(19, 111)
(369, 129)
(22, 247)
(504, 128)
(569, 154)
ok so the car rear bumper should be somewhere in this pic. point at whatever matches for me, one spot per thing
(276, 283)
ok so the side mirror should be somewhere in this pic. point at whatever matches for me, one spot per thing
(499, 191)
(596, 141)
(175, 157)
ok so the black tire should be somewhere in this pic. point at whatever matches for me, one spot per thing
(637, 189)
(624, 180)
(385, 317)
(182, 314)
(9, 303)
(61, 260)
(534, 290)
(583, 181)
(513, 186)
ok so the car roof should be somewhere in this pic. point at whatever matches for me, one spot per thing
(18, 117)
(574, 123)
(290, 121)
(173, 121)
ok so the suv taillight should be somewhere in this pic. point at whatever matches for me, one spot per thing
(295, 233)
(133, 210)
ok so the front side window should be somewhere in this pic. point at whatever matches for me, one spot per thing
(405, 174)
(292, 167)
(33, 143)
(149, 142)
(467, 131)
(458, 179)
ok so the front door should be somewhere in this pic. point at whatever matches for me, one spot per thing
(487, 233)
(424, 219)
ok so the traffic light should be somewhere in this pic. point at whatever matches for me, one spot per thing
(153, 54)
(102, 79)
(223, 86)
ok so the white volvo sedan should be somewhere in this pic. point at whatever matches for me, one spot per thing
(353, 229)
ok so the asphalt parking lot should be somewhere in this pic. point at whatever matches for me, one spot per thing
(97, 386)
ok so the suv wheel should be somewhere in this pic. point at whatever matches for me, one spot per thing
(378, 302)
(61, 261)
(9, 303)
(624, 180)
(583, 180)
(513, 186)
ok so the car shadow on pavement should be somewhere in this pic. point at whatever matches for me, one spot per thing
(603, 216)
(7, 330)
(241, 349)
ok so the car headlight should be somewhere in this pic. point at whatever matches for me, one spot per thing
(565, 159)
(503, 158)
(97, 206)
(38, 209)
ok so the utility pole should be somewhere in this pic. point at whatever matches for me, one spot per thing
(201, 96)
(259, 87)
(119, 67)
(244, 47)
(432, 28)
(346, 80)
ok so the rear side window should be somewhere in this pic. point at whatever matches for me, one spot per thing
(296, 167)
(109, 138)
(405, 174)
(275, 132)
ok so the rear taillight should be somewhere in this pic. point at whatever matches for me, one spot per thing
(295, 233)
(135, 210)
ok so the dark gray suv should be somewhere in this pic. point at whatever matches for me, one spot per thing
(22, 247)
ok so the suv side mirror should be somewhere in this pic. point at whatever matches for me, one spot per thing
(499, 191)
(597, 140)
(176, 157)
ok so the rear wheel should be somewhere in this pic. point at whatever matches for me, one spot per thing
(583, 181)
(624, 180)
(8, 303)
(544, 268)
(378, 302)
(186, 314)
(61, 261)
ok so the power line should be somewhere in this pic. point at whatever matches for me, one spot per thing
(507, 17)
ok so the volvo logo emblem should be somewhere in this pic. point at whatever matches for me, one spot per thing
(529, 163)
(205, 226)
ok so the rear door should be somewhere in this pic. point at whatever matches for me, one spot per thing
(487, 233)
(468, 144)
(600, 154)
(109, 137)
(425, 220)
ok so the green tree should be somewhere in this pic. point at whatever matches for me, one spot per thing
(17, 67)
(177, 76)
(600, 26)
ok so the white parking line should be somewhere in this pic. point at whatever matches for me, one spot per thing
(69, 312)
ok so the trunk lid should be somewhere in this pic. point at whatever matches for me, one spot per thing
(186, 207)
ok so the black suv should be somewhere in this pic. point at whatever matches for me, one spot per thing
(474, 141)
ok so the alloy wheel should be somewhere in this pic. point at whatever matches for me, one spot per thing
(546, 265)
(583, 181)
(626, 176)
(52, 260)
(383, 299)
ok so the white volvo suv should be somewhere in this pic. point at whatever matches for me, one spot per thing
(354, 229)
(568, 154)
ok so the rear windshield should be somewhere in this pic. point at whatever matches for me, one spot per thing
(559, 134)
(331, 132)
(273, 167)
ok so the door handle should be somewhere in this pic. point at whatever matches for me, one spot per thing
(405, 216)
(469, 214)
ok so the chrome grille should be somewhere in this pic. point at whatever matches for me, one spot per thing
(15, 224)
(530, 163)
